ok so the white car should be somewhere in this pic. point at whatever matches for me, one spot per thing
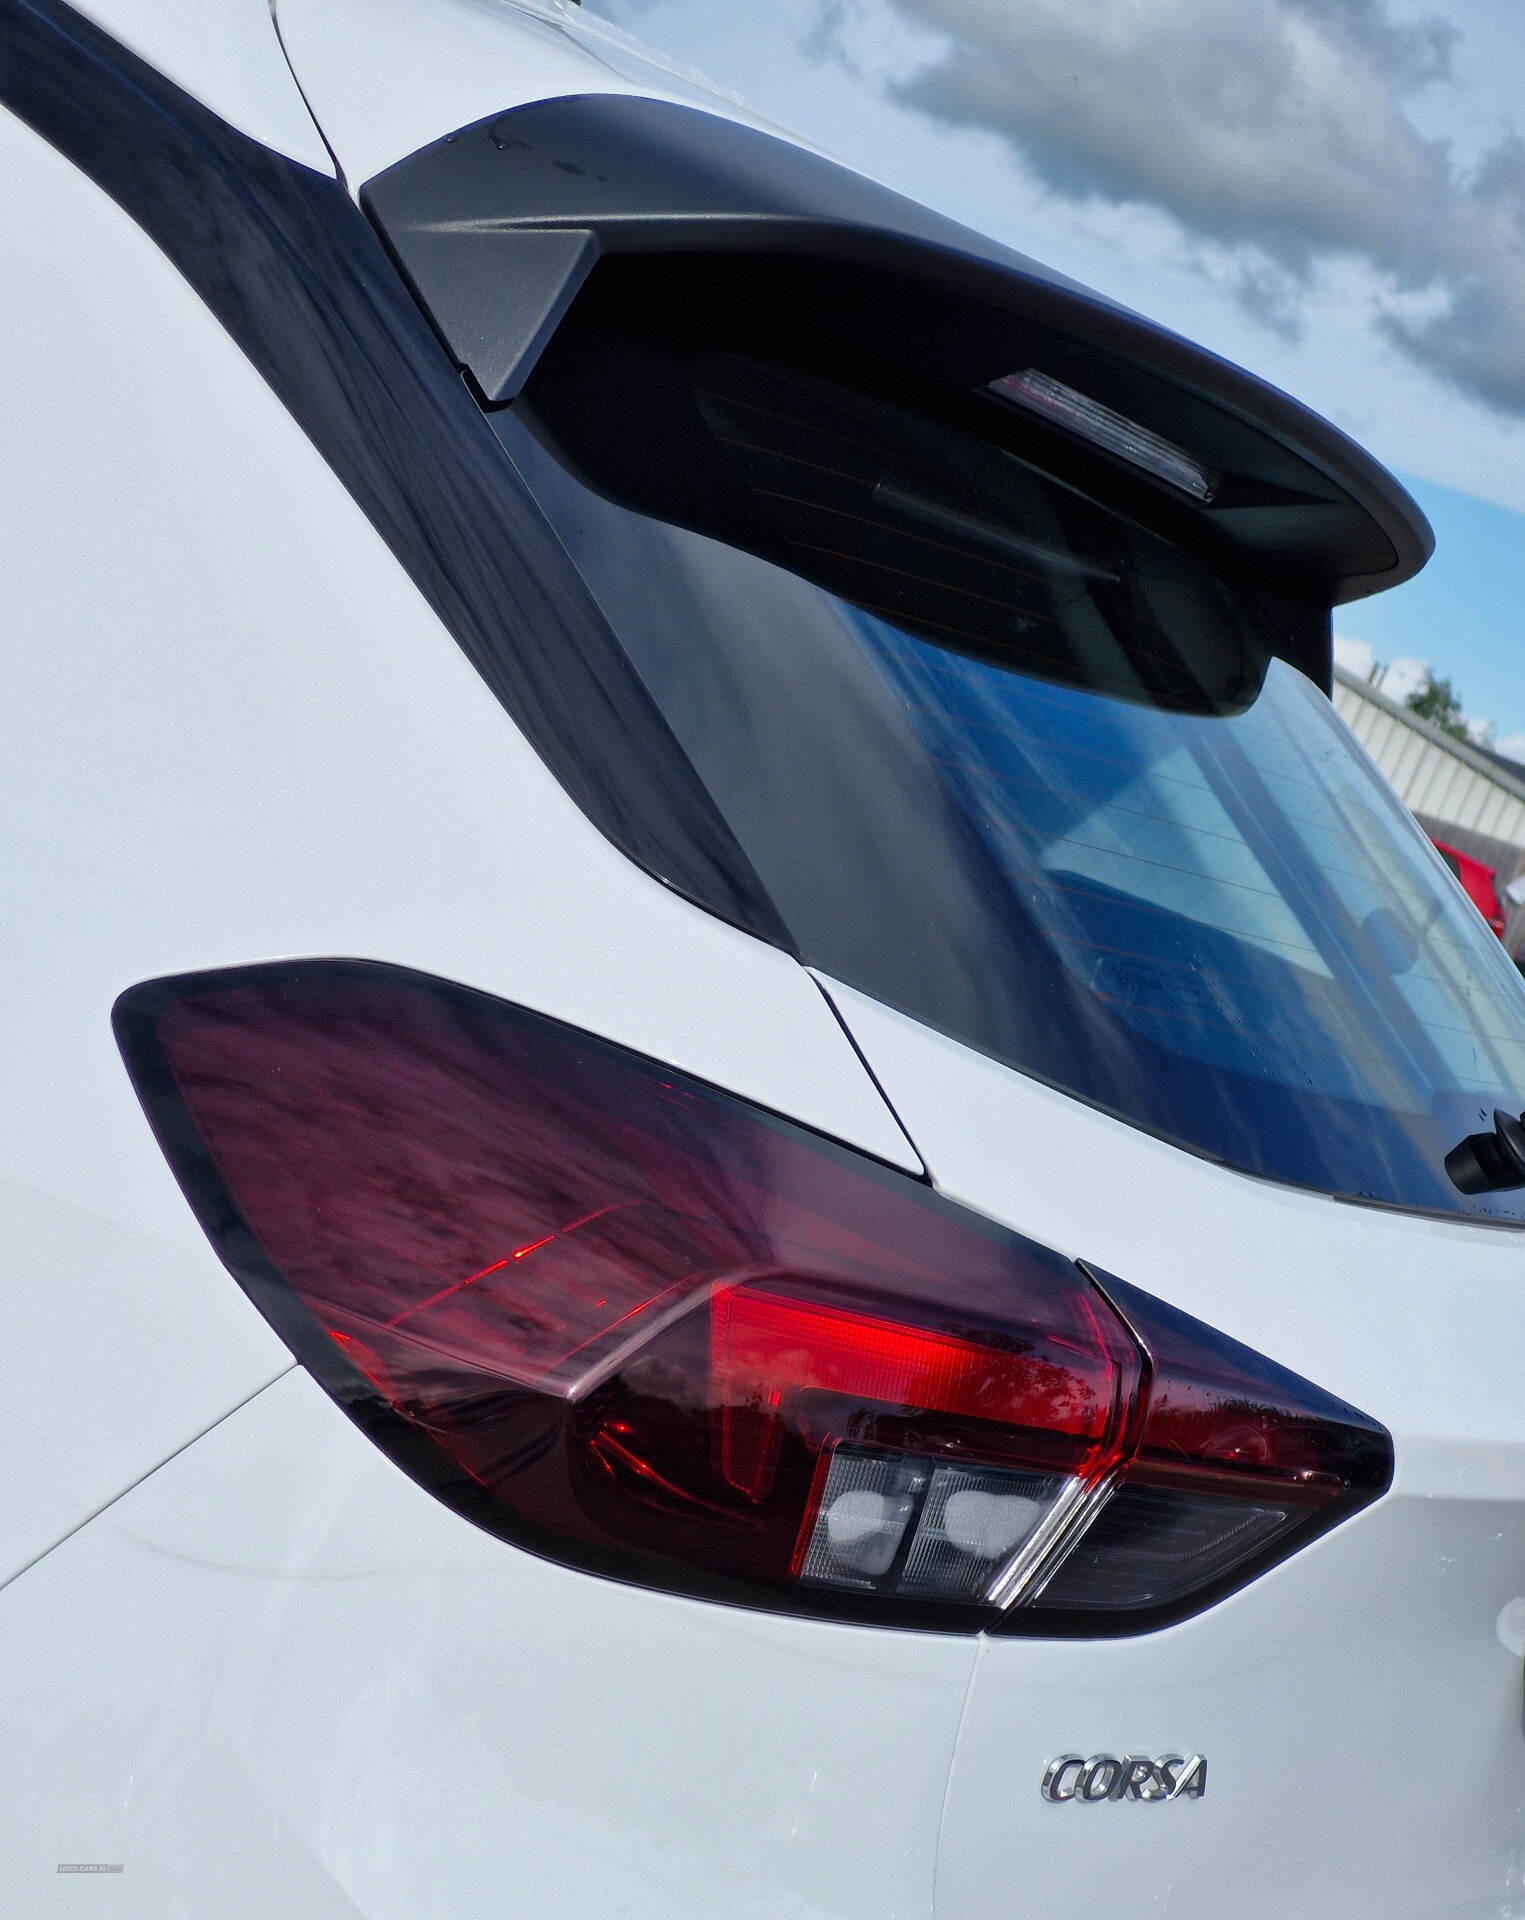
(689, 817)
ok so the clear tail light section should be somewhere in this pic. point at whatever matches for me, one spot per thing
(639, 1326)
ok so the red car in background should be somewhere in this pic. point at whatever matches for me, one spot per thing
(1477, 883)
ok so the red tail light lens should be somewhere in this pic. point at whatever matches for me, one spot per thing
(637, 1325)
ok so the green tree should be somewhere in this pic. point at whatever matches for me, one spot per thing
(1438, 702)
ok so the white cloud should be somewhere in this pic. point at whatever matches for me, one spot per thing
(1317, 334)
(1283, 132)
(1400, 679)
(881, 46)
(1355, 656)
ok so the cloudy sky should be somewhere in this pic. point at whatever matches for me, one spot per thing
(1331, 192)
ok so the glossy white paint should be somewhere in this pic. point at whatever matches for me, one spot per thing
(1361, 1716)
(120, 1346)
(385, 77)
(1361, 1722)
(232, 730)
(280, 1679)
(274, 1676)
(226, 53)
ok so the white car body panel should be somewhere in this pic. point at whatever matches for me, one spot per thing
(1361, 1720)
(278, 1678)
(230, 736)
(386, 77)
(270, 1674)
(1421, 1319)
(227, 54)
(121, 1346)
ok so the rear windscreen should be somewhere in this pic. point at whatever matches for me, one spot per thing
(1059, 802)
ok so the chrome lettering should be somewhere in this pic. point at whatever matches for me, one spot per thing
(1053, 1787)
(1133, 1776)
(1100, 1776)
(1193, 1782)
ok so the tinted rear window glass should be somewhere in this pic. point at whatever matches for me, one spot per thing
(1220, 924)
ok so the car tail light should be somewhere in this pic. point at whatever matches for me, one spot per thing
(637, 1325)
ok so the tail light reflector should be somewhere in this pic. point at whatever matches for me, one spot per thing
(637, 1325)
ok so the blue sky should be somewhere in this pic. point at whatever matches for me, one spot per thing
(1465, 614)
(1330, 192)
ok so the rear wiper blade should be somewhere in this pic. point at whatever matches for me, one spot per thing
(1490, 1162)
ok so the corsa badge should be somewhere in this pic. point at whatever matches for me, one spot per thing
(1129, 1776)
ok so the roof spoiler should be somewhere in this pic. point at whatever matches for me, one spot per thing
(498, 227)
